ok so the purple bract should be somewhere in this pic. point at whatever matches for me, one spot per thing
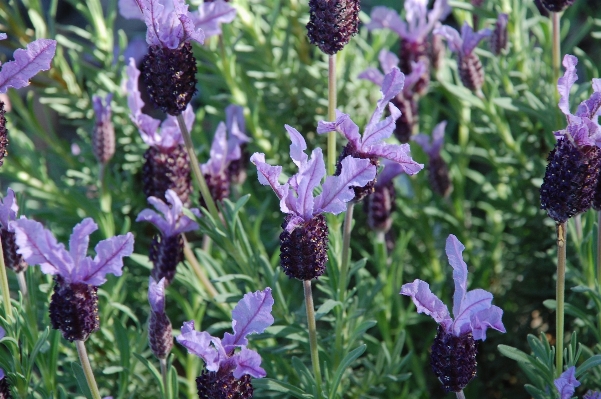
(465, 43)
(566, 383)
(28, 62)
(432, 145)
(8, 209)
(173, 221)
(388, 61)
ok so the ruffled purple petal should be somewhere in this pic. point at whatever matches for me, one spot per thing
(426, 302)
(153, 12)
(308, 178)
(453, 38)
(269, 175)
(3, 36)
(337, 190)
(373, 75)
(592, 395)
(199, 343)
(80, 240)
(392, 85)
(39, 247)
(473, 302)
(471, 38)
(297, 146)
(388, 60)
(156, 295)
(381, 130)
(565, 83)
(437, 138)
(589, 108)
(28, 62)
(248, 362)
(211, 15)
(8, 209)
(173, 221)
(108, 259)
(189, 30)
(129, 9)
(398, 153)
(567, 383)
(424, 141)
(147, 126)
(454, 249)
(343, 124)
(384, 17)
(234, 120)
(418, 69)
(487, 318)
(252, 315)
(218, 155)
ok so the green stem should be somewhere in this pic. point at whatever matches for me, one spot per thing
(560, 295)
(22, 285)
(8, 309)
(198, 176)
(197, 269)
(460, 395)
(346, 243)
(87, 369)
(312, 334)
(331, 113)
(163, 363)
(599, 261)
(556, 53)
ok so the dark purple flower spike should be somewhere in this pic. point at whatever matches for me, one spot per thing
(228, 373)
(413, 33)
(166, 250)
(380, 205)
(371, 144)
(406, 100)
(74, 304)
(453, 357)
(236, 128)
(498, 40)
(570, 185)
(557, 5)
(160, 337)
(167, 164)
(468, 63)
(304, 240)
(438, 170)
(332, 23)
(103, 137)
(8, 212)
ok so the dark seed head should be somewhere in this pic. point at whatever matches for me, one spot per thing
(167, 169)
(160, 337)
(219, 187)
(412, 52)
(304, 251)
(379, 207)
(498, 40)
(3, 134)
(170, 75)
(470, 71)
(5, 389)
(12, 259)
(438, 175)
(453, 359)
(165, 254)
(543, 11)
(332, 23)
(360, 192)
(222, 385)
(570, 179)
(74, 309)
(437, 51)
(405, 125)
(236, 170)
(103, 141)
(557, 5)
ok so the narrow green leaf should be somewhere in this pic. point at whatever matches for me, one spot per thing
(346, 362)
(514, 353)
(269, 384)
(587, 364)
(81, 379)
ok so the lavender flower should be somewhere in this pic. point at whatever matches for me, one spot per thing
(166, 250)
(332, 23)
(236, 127)
(406, 100)
(370, 145)
(169, 68)
(557, 5)
(592, 395)
(28, 62)
(468, 63)
(227, 373)
(160, 337)
(438, 171)
(167, 163)
(103, 137)
(380, 205)
(567, 383)
(570, 185)
(413, 33)
(498, 40)
(8, 213)
(454, 351)
(304, 240)
(74, 304)
(4, 387)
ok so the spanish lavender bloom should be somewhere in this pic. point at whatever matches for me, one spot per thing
(453, 357)
(8, 213)
(28, 62)
(210, 16)
(567, 383)
(160, 337)
(166, 250)
(543, 11)
(236, 127)
(103, 137)
(74, 304)
(167, 163)
(406, 100)
(304, 241)
(438, 171)
(4, 387)
(592, 395)
(570, 185)
(370, 145)
(413, 33)
(557, 5)
(498, 40)
(332, 23)
(380, 205)
(468, 63)
(169, 68)
(227, 373)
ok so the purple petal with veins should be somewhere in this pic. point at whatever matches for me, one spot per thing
(172, 221)
(567, 383)
(390, 171)
(248, 362)
(454, 250)
(392, 85)
(8, 209)
(384, 17)
(487, 318)
(343, 124)
(156, 295)
(108, 259)
(388, 60)
(471, 38)
(80, 240)
(453, 38)
(211, 15)
(28, 62)
(379, 131)
(473, 302)
(297, 146)
(426, 302)
(268, 176)
(130, 9)
(565, 83)
(308, 178)
(251, 315)
(199, 343)
(218, 155)
(397, 153)
(373, 75)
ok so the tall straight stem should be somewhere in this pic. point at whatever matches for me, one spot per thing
(22, 284)
(599, 260)
(460, 395)
(198, 176)
(560, 296)
(8, 309)
(87, 369)
(331, 113)
(163, 363)
(556, 54)
(312, 335)
(346, 243)
(204, 281)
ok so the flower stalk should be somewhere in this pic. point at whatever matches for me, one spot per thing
(312, 334)
(460, 394)
(22, 284)
(331, 112)
(87, 369)
(8, 311)
(560, 295)
(556, 50)
(163, 363)
(204, 281)
(346, 243)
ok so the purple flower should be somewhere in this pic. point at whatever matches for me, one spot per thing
(592, 395)
(173, 221)
(438, 170)
(567, 383)
(8, 213)
(380, 205)
(222, 363)
(28, 62)
(388, 61)
(432, 146)
(103, 137)
(498, 40)
(8, 209)
(160, 337)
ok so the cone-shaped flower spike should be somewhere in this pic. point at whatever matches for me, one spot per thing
(103, 137)
(498, 40)
(438, 171)
(228, 373)
(332, 23)
(371, 144)
(166, 250)
(74, 304)
(453, 357)
(160, 337)
(8, 213)
(570, 184)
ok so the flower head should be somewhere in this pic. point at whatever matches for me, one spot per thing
(251, 315)
(332, 23)
(567, 383)
(557, 5)
(438, 170)
(160, 337)
(173, 221)
(8, 213)
(28, 62)
(498, 40)
(103, 137)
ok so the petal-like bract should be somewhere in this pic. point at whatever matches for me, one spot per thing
(252, 315)
(28, 62)
(567, 383)
(426, 302)
(173, 221)
(8, 209)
